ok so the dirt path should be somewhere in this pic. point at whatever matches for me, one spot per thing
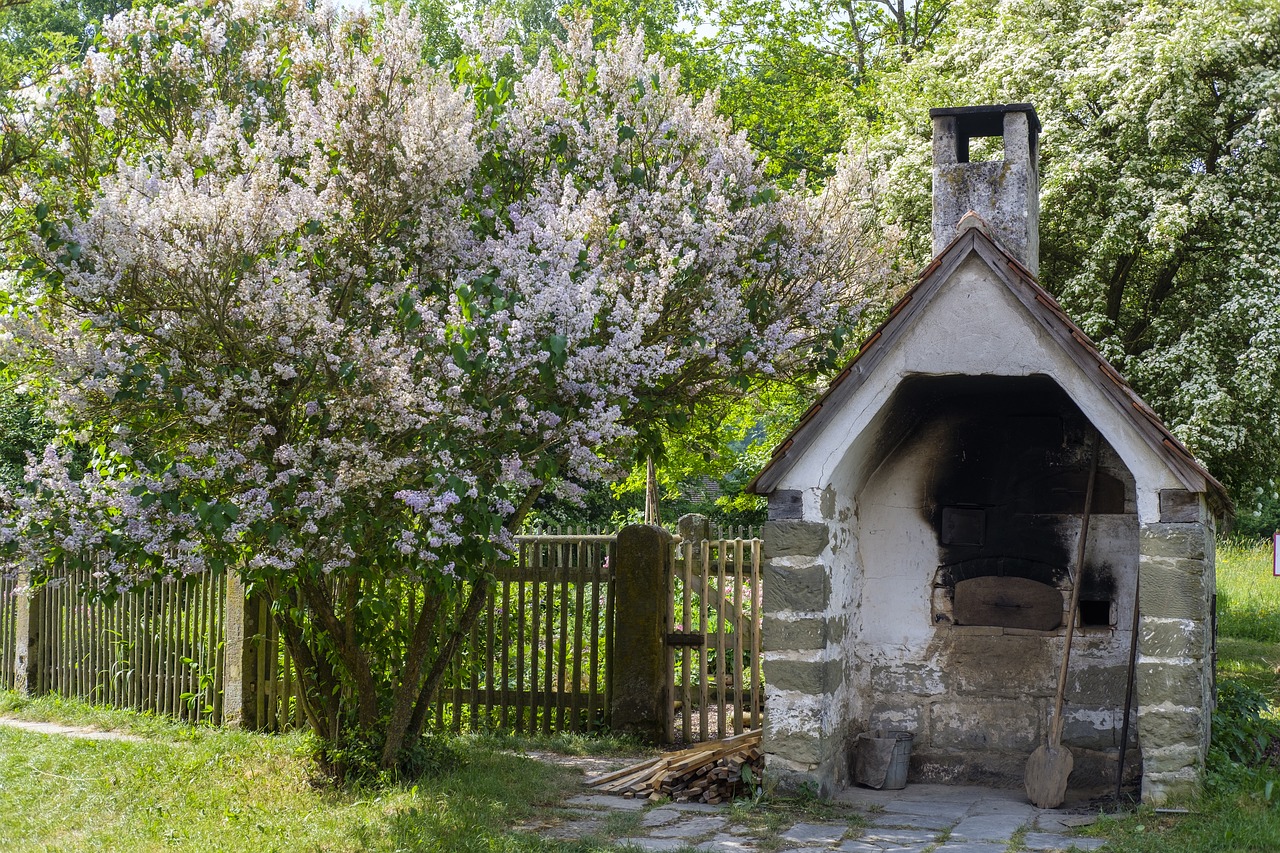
(66, 731)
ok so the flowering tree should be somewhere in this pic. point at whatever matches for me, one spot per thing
(317, 312)
(1160, 192)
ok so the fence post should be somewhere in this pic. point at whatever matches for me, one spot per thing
(240, 673)
(28, 635)
(642, 705)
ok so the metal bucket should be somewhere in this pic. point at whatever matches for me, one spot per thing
(880, 759)
(896, 778)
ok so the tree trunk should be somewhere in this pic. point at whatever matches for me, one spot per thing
(479, 594)
(410, 683)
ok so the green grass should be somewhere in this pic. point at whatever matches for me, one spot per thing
(186, 788)
(1248, 594)
(1239, 809)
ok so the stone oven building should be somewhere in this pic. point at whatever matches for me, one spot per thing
(925, 512)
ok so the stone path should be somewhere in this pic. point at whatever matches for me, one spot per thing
(917, 819)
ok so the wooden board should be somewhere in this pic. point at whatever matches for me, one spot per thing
(1008, 602)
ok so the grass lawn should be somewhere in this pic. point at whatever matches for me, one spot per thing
(185, 788)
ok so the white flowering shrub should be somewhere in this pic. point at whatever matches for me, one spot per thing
(313, 310)
(1160, 192)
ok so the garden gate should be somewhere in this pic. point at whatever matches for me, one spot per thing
(713, 671)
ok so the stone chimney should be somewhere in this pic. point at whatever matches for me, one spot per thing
(1004, 193)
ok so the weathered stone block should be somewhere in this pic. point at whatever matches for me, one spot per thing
(1176, 684)
(810, 677)
(918, 679)
(1091, 728)
(641, 704)
(1170, 591)
(897, 714)
(1001, 665)
(784, 634)
(807, 633)
(786, 504)
(1169, 759)
(1183, 541)
(1178, 506)
(1172, 638)
(1096, 686)
(787, 538)
(800, 747)
(1161, 788)
(985, 725)
(799, 588)
(1162, 728)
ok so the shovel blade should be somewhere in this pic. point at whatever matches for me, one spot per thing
(1046, 776)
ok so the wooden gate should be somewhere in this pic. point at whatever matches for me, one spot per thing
(714, 638)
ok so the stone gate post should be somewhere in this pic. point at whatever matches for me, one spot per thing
(642, 703)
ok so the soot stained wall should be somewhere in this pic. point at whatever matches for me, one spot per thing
(986, 477)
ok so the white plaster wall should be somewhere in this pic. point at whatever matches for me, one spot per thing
(972, 326)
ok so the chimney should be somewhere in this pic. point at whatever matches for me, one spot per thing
(1004, 193)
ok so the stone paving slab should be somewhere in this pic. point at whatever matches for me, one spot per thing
(1055, 842)
(1053, 821)
(815, 833)
(911, 821)
(859, 846)
(655, 844)
(659, 817)
(690, 827)
(972, 847)
(727, 844)
(898, 837)
(606, 801)
(574, 830)
(1004, 807)
(989, 827)
(949, 811)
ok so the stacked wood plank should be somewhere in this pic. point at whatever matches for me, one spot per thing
(710, 772)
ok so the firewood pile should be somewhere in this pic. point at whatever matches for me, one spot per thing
(709, 772)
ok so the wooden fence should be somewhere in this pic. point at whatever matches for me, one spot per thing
(714, 658)
(538, 656)
(538, 659)
(158, 649)
(8, 635)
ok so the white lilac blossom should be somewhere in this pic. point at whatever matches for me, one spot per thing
(354, 312)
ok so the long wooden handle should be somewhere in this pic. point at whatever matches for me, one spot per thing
(1055, 737)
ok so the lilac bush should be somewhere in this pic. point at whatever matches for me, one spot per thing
(313, 310)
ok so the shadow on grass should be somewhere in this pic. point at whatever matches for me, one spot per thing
(495, 802)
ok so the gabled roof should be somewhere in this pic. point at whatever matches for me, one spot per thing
(973, 237)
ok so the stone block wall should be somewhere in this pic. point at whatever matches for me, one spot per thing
(1175, 661)
(803, 670)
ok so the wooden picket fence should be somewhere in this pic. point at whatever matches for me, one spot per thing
(8, 634)
(714, 648)
(537, 660)
(157, 649)
(538, 656)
